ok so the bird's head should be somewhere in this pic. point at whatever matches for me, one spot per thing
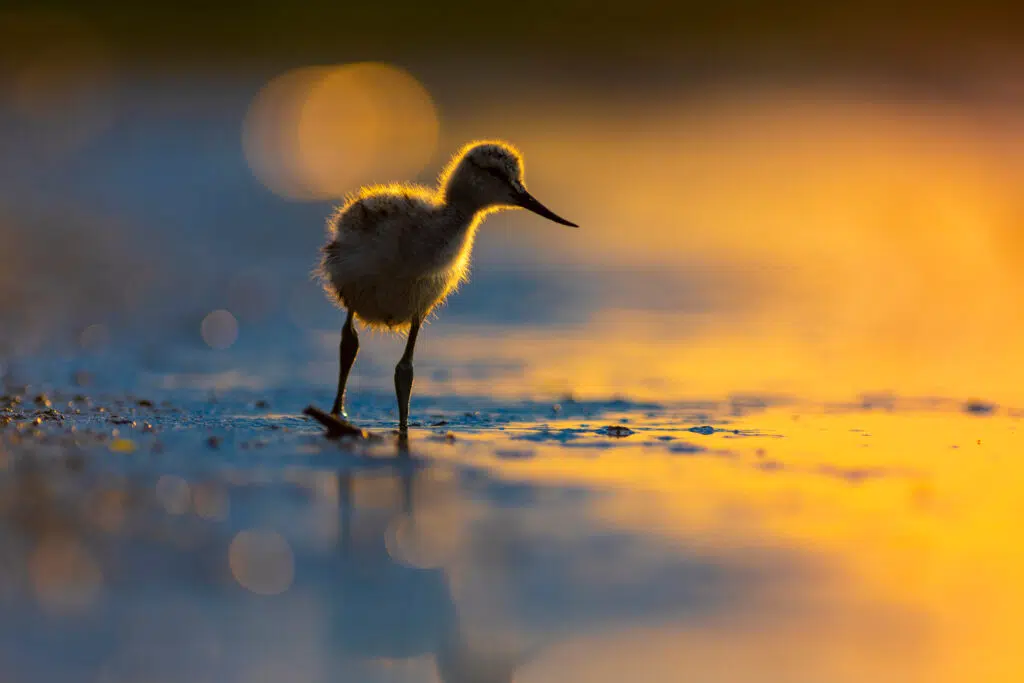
(489, 175)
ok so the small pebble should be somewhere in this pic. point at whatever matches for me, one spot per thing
(976, 407)
(615, 430)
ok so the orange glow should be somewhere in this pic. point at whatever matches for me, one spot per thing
(64, 575)
(320, 132)
(425, 541)
(219, 329)
(174, 494)
(107, 509)
(846, 245)
(210, 501)
(261, 561)
(897, 522)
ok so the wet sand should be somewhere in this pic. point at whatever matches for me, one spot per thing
(640, 449)
(185, 537)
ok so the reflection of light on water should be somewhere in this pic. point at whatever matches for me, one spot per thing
(64, 574)
(210, 501)
(219, 329)
(107, 509)
(174, 494)
(261, 561)
(912, 569)
(426, 541)
(321, 523)
(319, 132)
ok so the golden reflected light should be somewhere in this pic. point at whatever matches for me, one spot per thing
(425, 541)
(219, 329)
(210, 501)
(261, 561)
(319, 132)
(174, 494)
(107, 509)
(64, 575)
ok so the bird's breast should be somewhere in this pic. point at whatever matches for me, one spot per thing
(443, 253)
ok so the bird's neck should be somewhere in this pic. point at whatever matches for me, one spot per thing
(463, 199)
(461, 217)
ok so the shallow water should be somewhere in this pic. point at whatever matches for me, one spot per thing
(680, 443)
(586, 541)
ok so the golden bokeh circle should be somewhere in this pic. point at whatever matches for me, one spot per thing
(261, 561)
(64, 574)
(219, 329)
(320, 132)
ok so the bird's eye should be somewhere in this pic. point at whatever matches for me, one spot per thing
(497, 174)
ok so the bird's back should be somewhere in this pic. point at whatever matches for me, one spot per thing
(395, 252)
(383, 228)
(381, 209)
(401, 230)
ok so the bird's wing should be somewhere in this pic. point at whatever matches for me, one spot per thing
(383, 209)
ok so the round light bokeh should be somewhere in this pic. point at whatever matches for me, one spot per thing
(174, 494)
(64, 574)
(261, 561)
(219, 329)
(319, 132)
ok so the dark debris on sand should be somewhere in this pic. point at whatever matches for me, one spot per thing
(617, 431)
(979, 407)
(335, 427)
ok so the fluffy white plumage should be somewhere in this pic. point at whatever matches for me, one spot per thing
(397, 251)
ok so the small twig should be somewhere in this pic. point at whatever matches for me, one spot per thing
(336, 428)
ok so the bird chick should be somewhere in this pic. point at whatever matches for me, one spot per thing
(395, 252)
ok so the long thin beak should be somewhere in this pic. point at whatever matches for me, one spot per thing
(527, 201)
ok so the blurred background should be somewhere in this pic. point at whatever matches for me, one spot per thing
(804, 198)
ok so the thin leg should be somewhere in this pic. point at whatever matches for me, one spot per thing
(406, 482)
(347, 355)
(345, 503)
(403, 377)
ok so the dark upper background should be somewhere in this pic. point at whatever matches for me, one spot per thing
(885, 35)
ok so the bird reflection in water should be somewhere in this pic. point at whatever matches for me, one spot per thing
(388, 609)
